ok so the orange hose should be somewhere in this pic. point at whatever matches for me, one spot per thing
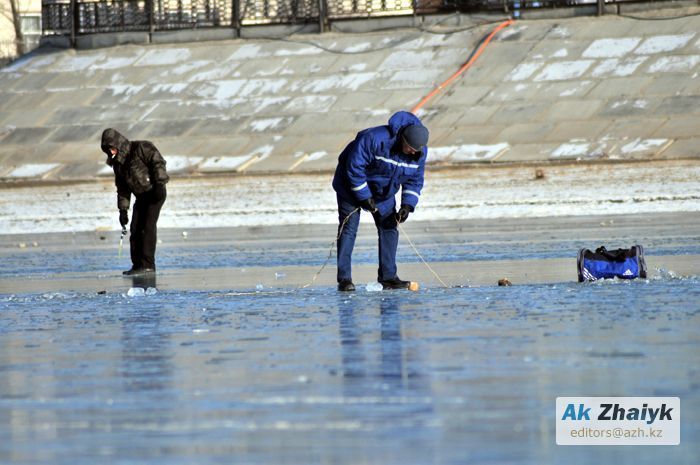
(464, 66)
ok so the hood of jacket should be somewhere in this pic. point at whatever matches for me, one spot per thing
(400, 120)
(112, 138)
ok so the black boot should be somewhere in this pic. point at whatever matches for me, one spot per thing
(395, 283)
(346, 285)
(133, 271)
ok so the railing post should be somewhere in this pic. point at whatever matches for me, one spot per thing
(236, 16)
(322, 16)
(151, 15)
(601, 7)
(74, 21)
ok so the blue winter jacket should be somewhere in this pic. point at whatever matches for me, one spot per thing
(373, 165)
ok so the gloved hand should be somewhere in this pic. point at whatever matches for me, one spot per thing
(123, 217)
(369, 205)
(159, 192)
(402, 215)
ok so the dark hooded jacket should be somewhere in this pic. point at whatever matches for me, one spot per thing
(137, 166)
(373, 165)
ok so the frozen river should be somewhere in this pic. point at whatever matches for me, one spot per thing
(464, 375)
(228, 361)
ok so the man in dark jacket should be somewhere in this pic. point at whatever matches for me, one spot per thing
(371, 170)
(139, 169)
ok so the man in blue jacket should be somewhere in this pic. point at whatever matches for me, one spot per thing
(371, 170)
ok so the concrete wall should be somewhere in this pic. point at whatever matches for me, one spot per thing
(573, 89)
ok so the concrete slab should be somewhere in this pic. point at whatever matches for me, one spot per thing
(663, 85)
(487, 134)
(526, 133)
(78, 153)
(516, 112)
(579, 130)
(70, 97)
(27, 135)
(677, 128)
(607, 26)
(213, 147)
(24, 118)
(31, 81)
(26, 101)
(220, 127)
(78, 171)
(556, 49)
(511, 92)
(640, 148)
(617, 87)
(572, 110)
(75, 133)
(564, 89)
(630, 107)
(683, 148)
(172, 128)
(466, 95)
(679, 106)
(633, 127)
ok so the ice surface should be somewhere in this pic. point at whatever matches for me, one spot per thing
(374, 286)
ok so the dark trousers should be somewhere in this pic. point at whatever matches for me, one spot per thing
(387, 233)
(143, 230)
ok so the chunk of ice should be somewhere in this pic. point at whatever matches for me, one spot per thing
(136, 292)
(374, 287)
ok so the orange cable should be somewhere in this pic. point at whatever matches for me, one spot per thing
(464, 66)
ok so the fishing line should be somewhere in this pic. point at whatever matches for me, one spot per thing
(403, 232)
(330, 252)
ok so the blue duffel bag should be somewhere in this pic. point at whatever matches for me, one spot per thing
(608, 264)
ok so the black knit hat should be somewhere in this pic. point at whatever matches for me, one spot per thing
(416, 136)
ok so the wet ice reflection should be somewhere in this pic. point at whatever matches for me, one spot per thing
(439, 376)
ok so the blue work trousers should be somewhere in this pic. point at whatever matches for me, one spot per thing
(388, 240)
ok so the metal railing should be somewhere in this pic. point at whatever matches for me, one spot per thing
(75, 17)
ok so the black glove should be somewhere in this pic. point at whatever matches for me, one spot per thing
(402, 215)
(369, 205)
(123, 217)
(159, 192)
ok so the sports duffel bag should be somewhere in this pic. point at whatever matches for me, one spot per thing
(608, 264)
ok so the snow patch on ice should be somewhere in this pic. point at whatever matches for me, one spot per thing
(561, 53)
(564, 70)
(675, 64)
(267, 124)
(164, 56)
(408, 60)
(664, 43)
(311, 103)
(523, 71)
(77, 62)
(31, 170)
(346, 82)
(168, 88)
(116, 62)
(185, 68)
(177, 163)
(246, 52)
(468, 152)
(297, 51)
(571, 149)
(617, 67)
(223, 163)
(574, 89)
(610, 48)
(643, 145)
